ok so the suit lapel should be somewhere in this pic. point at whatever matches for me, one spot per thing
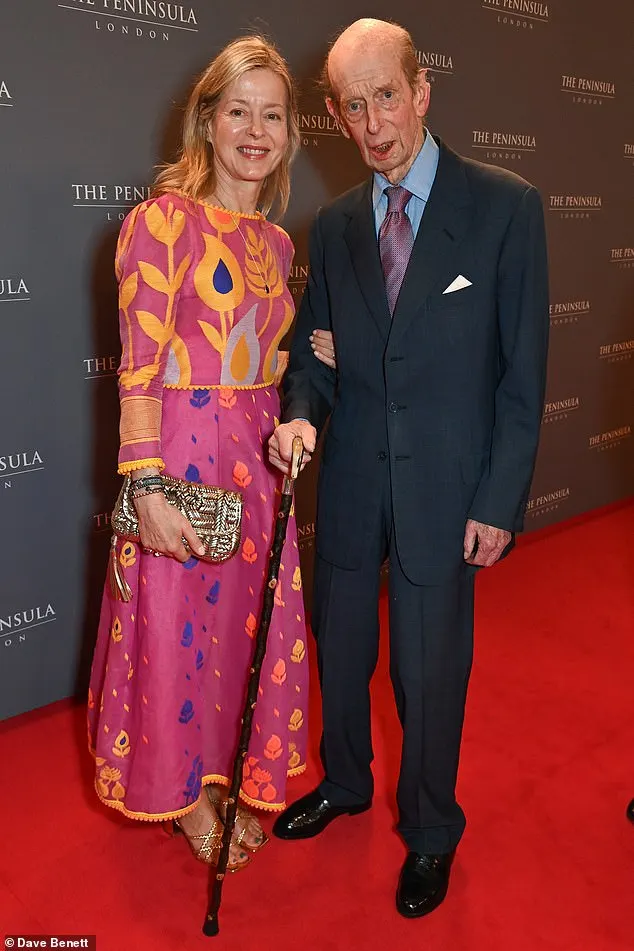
(444, 224)
(360, 236)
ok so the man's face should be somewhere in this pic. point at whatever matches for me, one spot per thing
(378, 108)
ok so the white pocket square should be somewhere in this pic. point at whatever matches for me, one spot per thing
(457, 285)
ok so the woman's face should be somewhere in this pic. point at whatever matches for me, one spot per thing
(249, 131)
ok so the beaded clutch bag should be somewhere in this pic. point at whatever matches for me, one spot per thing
(215, 515)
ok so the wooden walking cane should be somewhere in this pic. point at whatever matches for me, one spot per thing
(211, 926)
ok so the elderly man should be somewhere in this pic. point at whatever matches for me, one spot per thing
(432, 277)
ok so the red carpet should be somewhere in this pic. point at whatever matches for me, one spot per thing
(547, 861)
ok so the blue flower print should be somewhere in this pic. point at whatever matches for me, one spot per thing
(199, 660)
(190, 563)
(200, 398)
(214, 591)
(188, 635)
(192, 474)
(194, 782)
(187, 712)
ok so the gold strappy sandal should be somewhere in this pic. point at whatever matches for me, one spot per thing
(243, 816)
(210, 843)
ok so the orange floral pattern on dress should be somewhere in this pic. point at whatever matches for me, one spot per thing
(298, 652)
(249, 626)
(260, 775)
(241, 475)
(279, 673)
(273, 748)
(296, 583)
(296, 721)
(249, 552)
(128, 555)
(226, 397)
(278, 595)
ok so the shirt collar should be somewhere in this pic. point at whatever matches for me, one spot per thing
(420, 177)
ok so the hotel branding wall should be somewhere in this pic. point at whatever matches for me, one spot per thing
(91, 93)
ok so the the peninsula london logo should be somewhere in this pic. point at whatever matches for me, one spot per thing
(434, 63)
(541, 505)
(610, 439)
(624, 257)
(588, 92)
(575, 206)
(316, 127)
(14, 289)
(15, 625)
(557, 410)
(568, 312)
(136, 19)
(520, 14)
(116, 200)
(496, 146)
(297, 279)
(619, 352)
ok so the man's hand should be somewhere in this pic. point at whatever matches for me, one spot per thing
(491, 543)
(281, 443)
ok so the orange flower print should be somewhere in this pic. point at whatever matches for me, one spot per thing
(296, 721)
(273, 748)
(115, 630)
(249, 627)
(278, 596)
(121, 746)
(260, 775)
(249, 553)
(241, 475)
(296, 583)
(128, 555)
(91, 700)
(250, 788)
(298, 652)
(226, 397)
(279, 673)
(118, 791)
(269, 793)
(294, 760)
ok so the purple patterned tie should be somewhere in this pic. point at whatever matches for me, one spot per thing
(396, 240)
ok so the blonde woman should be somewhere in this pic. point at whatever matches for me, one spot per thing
(203, 307)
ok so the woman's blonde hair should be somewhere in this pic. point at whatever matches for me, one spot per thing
(193, 173)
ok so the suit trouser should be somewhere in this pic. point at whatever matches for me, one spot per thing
(431, 649)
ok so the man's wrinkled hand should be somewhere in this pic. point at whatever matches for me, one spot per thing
(491, 542)
(281, 444)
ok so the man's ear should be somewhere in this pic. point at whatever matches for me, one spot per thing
(422, 94)
(334, 112)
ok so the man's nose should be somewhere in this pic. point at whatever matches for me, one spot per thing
(374, 120)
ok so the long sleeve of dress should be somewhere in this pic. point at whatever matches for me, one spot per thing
(151, 263)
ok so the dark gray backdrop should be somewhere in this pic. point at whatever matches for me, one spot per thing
(90, 99)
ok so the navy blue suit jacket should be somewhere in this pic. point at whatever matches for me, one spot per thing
(449, 392)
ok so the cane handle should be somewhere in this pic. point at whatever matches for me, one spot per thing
(296, 458)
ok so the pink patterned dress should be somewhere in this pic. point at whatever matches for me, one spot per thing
(203, 307)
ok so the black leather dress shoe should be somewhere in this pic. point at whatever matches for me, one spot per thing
(630, 811)
(423, 883)
(310, 815)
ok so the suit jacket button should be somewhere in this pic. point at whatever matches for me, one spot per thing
(393, 407)
(382, 456)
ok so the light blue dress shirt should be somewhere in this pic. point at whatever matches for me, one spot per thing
(418, 181)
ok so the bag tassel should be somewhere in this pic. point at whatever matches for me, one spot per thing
(119, 587)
